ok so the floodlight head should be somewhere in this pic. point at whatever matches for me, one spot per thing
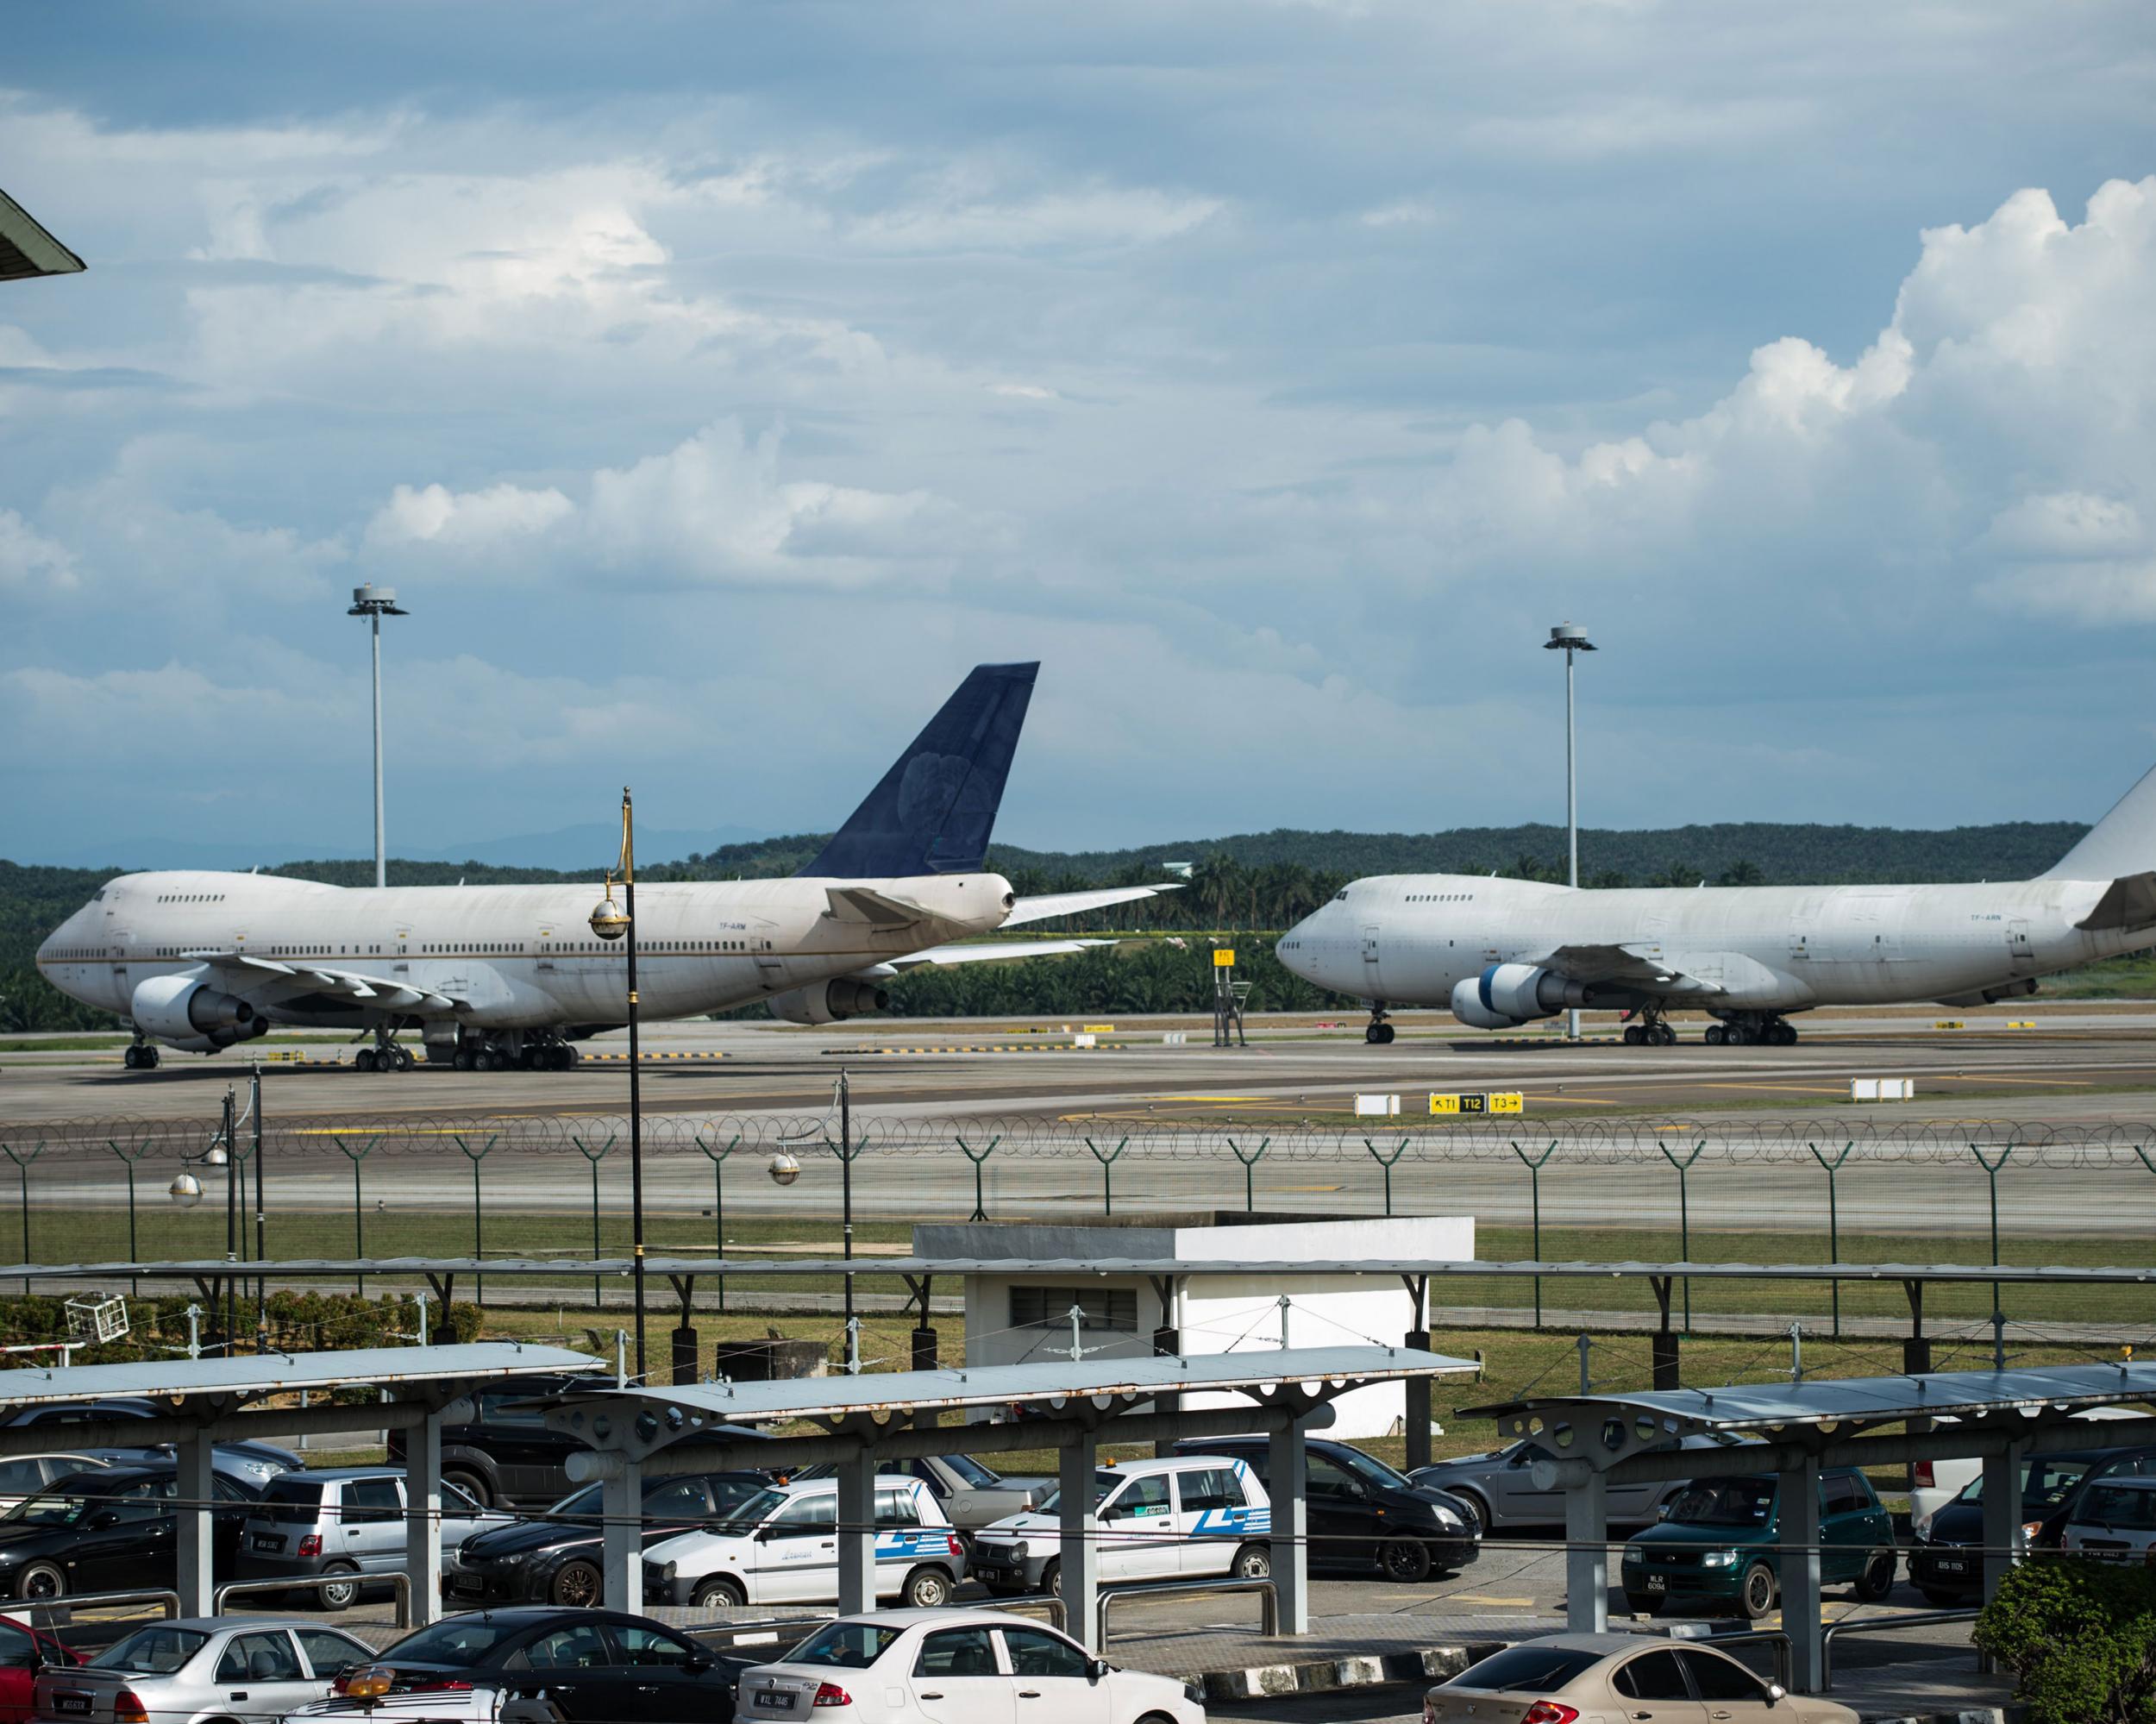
(371, 600)
(186, 1190)
(1567, 638)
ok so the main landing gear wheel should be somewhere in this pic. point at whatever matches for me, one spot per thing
(139, 1058)
(1654, 1033)
(1715, 1035)
(1378, 1034)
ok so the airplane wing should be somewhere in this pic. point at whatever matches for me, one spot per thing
(998, 951)
(1641, 964)
(1070, 903)
(248, 977)
(2128, 902)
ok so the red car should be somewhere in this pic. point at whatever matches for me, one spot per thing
(23, 1649)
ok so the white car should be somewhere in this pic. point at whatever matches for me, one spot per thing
(1187, 1517)
(954, 1667)
(1936, 1484)
(782, 1547)
(2114, 1518)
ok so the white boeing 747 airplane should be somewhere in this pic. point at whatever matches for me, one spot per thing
(495, 975)
(1501, 953)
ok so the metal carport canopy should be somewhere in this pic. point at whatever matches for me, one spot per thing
(870, 1417)
(1590, 1441)
(212, 1400)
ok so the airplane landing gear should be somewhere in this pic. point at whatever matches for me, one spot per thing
(387, 1055)
(141, 1057)
(530, 1052)
(1750, 1029)
(1379, 1032)
(1651, 1031)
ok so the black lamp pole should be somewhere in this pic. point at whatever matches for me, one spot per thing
(846, 1184)
(636, 1088)
(231, 1231)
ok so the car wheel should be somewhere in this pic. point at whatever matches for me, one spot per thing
(1052, 1577)
(472, 1485)
(339, 1597)
(1877, 1579)
(577, 1586)
(718, 1591)
(1404, 1560)
(40, 1580)
(1478, 1508)
(927, 1588)
(1757, 1591)
(1253, 1562)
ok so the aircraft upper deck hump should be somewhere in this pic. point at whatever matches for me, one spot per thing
(933, 810)
(2123, 841)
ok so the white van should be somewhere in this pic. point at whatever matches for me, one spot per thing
(782, 1547)
(1187, 1517)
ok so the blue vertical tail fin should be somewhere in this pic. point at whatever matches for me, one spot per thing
(932, 812)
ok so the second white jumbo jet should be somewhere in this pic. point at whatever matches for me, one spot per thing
(491, 976)
(1502, 953)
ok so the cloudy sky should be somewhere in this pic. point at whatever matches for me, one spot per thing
(716, 383)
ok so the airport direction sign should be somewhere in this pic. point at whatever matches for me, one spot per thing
(1223, 957)
(1478, 1101)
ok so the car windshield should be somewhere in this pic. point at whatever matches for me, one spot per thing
(1368, 1468)
(52, 1509)
(460, 1640)
(1526, 1670)
(971, 1470)
(746, 1516)
(152, 1652)
(844, 1646)
(1103, 1482)
(2123, 1507)
(577, 1505)
(2045, 1482)
(1724, 1502)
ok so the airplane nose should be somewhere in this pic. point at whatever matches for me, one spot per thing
(1295, 952)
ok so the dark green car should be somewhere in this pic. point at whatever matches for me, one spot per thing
(1715, 1549)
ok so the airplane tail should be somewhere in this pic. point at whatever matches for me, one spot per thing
(932, 812)
(2123, 841)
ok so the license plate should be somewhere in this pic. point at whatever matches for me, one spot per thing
(71, 1702)
(773, 1699)
(1658, 1583)
(467, 1583)
(1952, 1565)
(268, 1541)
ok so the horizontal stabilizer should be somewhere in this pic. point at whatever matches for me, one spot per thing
(2128, 903)
(1054, 904)
(999, 951)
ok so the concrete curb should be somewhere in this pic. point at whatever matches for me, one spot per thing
(1426, 1663)
(1967, 1714)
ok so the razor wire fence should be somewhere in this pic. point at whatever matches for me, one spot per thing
(1863, 1193)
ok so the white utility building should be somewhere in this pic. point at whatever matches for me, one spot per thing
(1025, 1316)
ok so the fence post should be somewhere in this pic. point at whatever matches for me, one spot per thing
(1386, 1162)
(718, 1200)
(594, 1156)
(358, 1222)
(1249, 1162)
(1107, 1180)
(135, 1283)
(1834, 1220)
(978, 1157)
(478, 1242)
(22, 1167)
(1684, 1216)
(1533, 1164)
(1992, 1174)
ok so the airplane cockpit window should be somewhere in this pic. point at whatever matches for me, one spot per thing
(1341, 896)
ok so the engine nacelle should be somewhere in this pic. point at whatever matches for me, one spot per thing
(1468, 1007)
(829, 1002)
(1992, 996)
(1514, 993)
(187, 1010)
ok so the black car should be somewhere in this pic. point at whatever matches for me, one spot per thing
(111, 1530)
(1362, 1511)
(592, 1665)
(506, 1458)
(556, 1559)
(1947, 1563)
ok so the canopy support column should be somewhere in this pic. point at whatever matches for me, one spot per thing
(1077, 1549)
(1416, 1414)
(2002, 1512)
(1287, 1482)
(423, 1517)
(621, 1509)
(857, 1533)
(1586, 1554)
(1797, 1511)
(196, 1584)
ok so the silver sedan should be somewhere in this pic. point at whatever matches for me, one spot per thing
(201, 1667)
(1500, 1489)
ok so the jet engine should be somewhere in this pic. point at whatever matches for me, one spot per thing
(187, 1010)
(1506, 995)
(829, 1002)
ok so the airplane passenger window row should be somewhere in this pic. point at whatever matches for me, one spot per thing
(190, 898)
(1439, 897)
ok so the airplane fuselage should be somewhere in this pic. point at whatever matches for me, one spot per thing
(1411, 939)
(504, 957)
